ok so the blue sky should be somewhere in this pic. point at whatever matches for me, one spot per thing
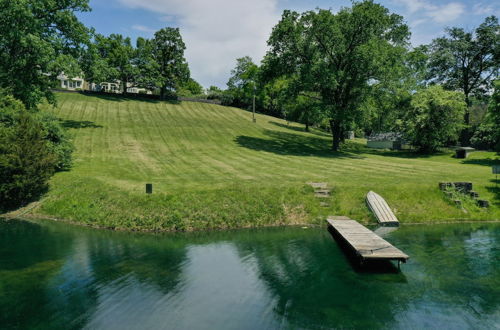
(216, 32)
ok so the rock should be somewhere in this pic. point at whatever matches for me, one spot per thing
(483, 203)
(463, 187)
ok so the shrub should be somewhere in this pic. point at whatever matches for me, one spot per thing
(434, 118)
(484, 137)
(494, 114)
(26, 161)
(58, 140)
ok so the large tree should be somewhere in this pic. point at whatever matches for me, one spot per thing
(243, 81)
(168, 51)
(339, 55)
(118, 55)
(147, 67)
(467, 61)
(434, 118)
(35, 34)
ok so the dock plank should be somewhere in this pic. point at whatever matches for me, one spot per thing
(365, 243)
(381, 209)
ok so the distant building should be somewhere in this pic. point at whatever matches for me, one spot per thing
(79, 83)
(71, 84)
(388, 140)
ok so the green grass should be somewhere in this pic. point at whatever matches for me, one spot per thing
(211, 167)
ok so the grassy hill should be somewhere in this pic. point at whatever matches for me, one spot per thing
(211, 167)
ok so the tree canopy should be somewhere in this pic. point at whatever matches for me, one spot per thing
(168, 51)
(434, 118)
(36, 36)
(467, 61)
(338, 55)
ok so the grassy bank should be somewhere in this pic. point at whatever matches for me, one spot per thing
(211, 167)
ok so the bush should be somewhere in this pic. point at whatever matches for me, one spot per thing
(58, 140)
(26, 160)
(494, 114)
(434, 118)
(484, 137)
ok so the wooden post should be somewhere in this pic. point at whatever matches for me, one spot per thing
(149, 188)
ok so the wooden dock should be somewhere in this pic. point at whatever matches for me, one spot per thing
(381, 209)
(365, 244)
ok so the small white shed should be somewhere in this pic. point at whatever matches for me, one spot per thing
(388, 140)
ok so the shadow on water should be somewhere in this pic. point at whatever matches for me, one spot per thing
(58, 270)
(284, 143)
(68, 123)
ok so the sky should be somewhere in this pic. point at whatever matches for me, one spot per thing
(216, 32)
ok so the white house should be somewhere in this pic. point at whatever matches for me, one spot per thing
(71, 83)
(78, 83)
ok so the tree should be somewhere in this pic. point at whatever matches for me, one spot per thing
(487, 136)
(168, 50)
(118, 54)
(148, 69)
(26, 161)
(34, 35)
(243, 81)
(190, 87)
(339, 55)
(467, 61)
(494, 113)
(434, 118)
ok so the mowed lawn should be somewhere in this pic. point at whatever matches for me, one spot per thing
(211, 167)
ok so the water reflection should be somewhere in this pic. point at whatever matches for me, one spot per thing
(59, 276)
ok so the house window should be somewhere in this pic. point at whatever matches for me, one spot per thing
(78, 84)
(65, 83)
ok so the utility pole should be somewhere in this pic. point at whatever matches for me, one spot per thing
(253, 107)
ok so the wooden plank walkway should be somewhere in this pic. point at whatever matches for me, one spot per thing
(366, 244)
(381, 210)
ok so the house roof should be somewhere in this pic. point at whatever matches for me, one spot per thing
(385, 136)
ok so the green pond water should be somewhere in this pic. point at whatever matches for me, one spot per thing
(61, 276)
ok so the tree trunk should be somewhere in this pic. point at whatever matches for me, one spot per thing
(465, 135)
(162, 93)
(335, 128)
(125, 83)
(307, 126)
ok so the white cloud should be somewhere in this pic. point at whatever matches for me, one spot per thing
(438, 13)
(446, 13)
(142, 28)
(483, 9)
(217, 32)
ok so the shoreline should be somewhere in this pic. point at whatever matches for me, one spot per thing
(34, 218)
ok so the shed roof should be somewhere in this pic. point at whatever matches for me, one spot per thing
(386, 136)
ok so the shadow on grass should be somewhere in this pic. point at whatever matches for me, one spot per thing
(284, 143)
(14, 203)
(483, 161)
(495, 190)
(409, 154)
(299, 129)
(134, 97)
(68, 123)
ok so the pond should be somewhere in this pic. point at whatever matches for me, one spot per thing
(55, 275)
